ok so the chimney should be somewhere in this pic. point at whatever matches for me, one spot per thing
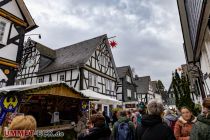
(136, 77)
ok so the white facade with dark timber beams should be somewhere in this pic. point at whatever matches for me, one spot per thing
(195, 23)
(126, 87)
(15, 21)
(85, 65)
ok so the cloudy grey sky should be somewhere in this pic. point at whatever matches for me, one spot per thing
(148, 31)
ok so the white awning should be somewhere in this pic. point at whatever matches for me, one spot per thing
(102, 99)
(26, 87)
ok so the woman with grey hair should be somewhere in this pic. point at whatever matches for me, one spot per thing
(152, 126)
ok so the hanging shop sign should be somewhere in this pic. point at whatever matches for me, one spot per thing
(130, 105)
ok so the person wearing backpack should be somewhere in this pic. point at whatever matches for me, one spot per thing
(152, 126)
(123, 129)
(170, 118)
(201, 129)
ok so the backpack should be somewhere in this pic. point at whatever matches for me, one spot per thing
(172, 124)
(124, 131)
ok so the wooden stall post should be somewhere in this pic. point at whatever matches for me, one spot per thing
(89, 108)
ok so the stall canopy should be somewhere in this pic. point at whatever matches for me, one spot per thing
(47, 88)
(102, 99)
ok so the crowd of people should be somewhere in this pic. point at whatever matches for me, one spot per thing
(153, 123)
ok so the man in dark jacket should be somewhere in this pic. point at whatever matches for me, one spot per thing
(201, 129)
(107, 119)
(98, 131)
(152, 126)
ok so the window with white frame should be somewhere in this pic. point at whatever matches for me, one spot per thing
(90, 79)
(102, 60)
(62, 78)
(40, 80)
(4, 30)
(93, 80)
(23, 81)
(17, 82)
(135, 96)
(119, 97)
(128, 78)
(108, 86)
(128, 93)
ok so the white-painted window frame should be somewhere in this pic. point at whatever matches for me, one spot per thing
(6, 31)
(128, 93)
(62, 77)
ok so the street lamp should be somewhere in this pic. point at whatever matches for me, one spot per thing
(39, 35)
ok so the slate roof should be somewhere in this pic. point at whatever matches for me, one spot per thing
(45, 51)
(143, 84)
(74, 55)
(154, 86)
(122, 71)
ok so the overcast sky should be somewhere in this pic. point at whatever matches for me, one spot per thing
(148, 31)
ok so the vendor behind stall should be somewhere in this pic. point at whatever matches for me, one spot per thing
(81, 124)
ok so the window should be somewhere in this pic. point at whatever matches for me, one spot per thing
(4, 30)
(17, 82)
(102, 60)
(93, 80)
(119, 97)
(62, 78)
(40, 80)
(128, 78)
(108, 86)
(128, 93)
(23, 81)
(135, 95)
(90, 79)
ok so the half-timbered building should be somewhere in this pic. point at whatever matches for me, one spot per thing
(88, 65)
(126, 87)
(144, 89)
(15, 21)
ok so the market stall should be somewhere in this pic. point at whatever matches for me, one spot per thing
(54, 105)
(102, 102)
